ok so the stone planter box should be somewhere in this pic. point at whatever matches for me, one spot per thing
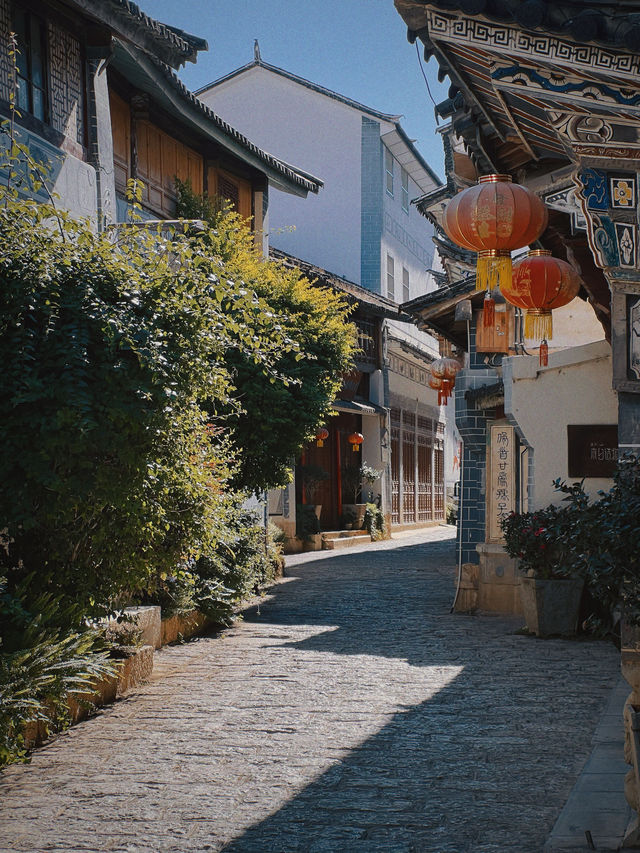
(136, 667)
(182, 627)
(551, 606)
(358, 510)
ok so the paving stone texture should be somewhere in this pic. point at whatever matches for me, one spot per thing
(351, 713)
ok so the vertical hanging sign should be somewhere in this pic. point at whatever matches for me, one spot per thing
(501, 498)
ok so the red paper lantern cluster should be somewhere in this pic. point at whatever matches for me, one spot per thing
(494, 217)
(443, 377)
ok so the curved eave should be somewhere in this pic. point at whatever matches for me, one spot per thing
(329, 93)
(161, 83)
(127, 21)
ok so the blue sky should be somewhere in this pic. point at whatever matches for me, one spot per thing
(356, 47)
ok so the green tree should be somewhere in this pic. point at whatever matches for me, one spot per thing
(280, 412)
(113, 353)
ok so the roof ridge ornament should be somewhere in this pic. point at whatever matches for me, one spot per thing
(256, 51)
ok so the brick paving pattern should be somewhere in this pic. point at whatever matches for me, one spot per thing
(351, 714)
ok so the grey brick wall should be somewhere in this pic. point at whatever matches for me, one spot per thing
(371, 205)
(472, 425)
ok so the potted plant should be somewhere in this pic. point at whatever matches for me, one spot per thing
(312, 476)
(353, 477)
(550, 587)
(604, 543)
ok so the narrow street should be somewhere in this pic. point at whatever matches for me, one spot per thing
(350, 713)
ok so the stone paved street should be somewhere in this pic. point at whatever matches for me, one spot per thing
(351, 714)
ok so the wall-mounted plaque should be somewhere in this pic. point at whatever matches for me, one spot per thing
(593, 450)
(501, 492)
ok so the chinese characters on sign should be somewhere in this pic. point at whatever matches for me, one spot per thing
(501, 497)
(592, 450)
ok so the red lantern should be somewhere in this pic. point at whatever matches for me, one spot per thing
(436, 384)
(541, 283)
(355, 440)
(321, 436)
(492, 218)
(444, 371)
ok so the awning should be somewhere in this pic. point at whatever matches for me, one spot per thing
(354, 408)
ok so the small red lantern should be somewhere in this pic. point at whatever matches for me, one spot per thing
(321, 436)
(355, 440)
(436, 384)
(444, 371)
(492, 218)
(541, 283)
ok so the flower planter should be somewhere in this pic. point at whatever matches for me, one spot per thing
(358, 511)
(551, 606)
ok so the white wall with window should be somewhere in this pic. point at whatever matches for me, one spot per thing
(406, 235)
(391, 282)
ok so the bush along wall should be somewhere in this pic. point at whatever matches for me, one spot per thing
(135, 370)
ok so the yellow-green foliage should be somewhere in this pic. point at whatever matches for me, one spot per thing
(282, 410)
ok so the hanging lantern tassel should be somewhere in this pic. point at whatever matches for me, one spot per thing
(488, 310)
(544, 353)
(538, 324)
(493, 269)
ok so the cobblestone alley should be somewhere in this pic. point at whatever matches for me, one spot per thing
(351, 713)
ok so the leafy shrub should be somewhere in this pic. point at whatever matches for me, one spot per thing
(374, 521)
(538, 540)
(603, 540)
(307, 522)
(278, 413)
(42, 665)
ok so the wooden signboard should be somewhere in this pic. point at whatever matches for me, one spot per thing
(497, 337)
(592, 450)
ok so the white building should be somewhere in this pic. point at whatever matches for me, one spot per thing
(362, 227)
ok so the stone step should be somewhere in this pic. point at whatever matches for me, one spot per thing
(332, 543)
(341, 534)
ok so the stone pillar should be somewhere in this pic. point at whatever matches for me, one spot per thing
(472, 426)
(100, 134)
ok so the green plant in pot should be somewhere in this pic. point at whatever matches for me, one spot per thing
(312, 476)
(550, 587)
(353, 477)
(603, 541)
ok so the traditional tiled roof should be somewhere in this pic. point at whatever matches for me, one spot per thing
(336, 96)
(259, 63)
(174, 46)
(288, 177)
(374, 302)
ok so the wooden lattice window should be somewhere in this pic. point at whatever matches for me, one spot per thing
(31, 61)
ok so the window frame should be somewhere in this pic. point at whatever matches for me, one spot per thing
(388, 169)
(391, 281)
(406, 293)
(31, 21)
(404, 177)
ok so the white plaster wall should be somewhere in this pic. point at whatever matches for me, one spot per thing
(316, 134)
(371, 452)
(407, 238)
(72, 181)
(574, 325)
(575, 388)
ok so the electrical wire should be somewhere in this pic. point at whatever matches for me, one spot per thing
(425, 78)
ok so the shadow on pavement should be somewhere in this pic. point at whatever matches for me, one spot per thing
(482, 765)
